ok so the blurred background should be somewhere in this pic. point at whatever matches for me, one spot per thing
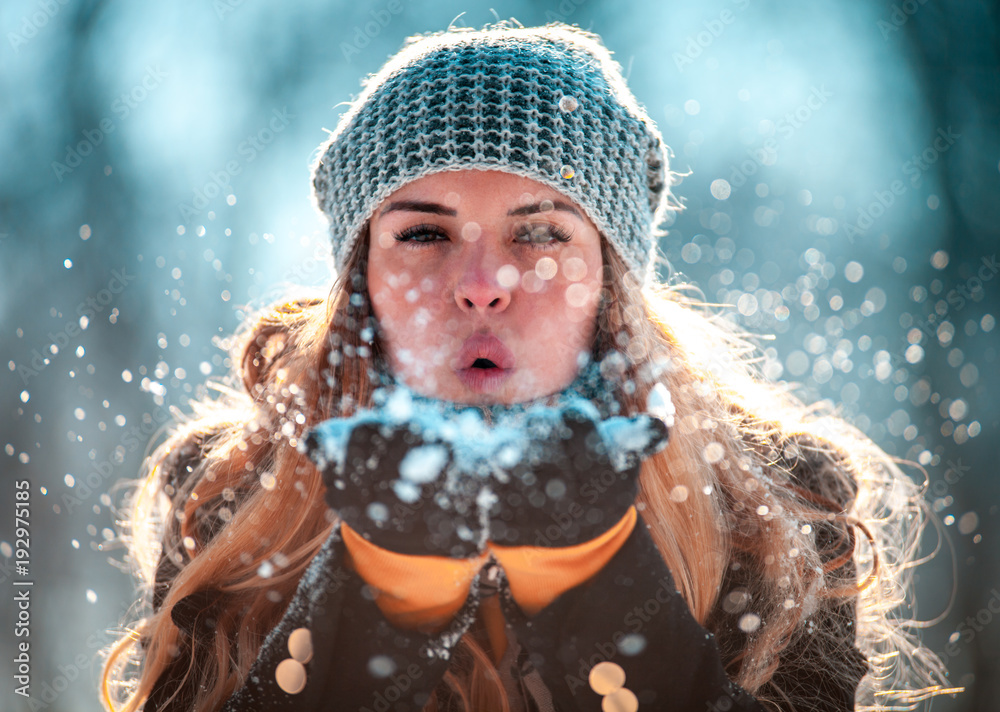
(843, 198)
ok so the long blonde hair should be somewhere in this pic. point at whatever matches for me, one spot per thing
(729, 485)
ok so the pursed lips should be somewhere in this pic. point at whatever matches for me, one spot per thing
(484, 362)
(484, 350)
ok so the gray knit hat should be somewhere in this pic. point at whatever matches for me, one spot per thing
(548, 103)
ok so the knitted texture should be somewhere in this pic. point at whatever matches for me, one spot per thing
(548, 103)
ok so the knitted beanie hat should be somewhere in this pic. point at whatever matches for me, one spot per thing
(548, 103)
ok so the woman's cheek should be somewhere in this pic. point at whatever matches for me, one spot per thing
(581, 300)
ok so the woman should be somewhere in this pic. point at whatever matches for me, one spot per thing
(493, 198)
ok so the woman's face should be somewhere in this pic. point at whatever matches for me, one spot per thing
(485, 285)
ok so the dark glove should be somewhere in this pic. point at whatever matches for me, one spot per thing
(573, 478)
(393, 483)
(359, 660)
(630, 615)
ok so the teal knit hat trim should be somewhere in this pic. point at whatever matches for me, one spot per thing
(548, 103)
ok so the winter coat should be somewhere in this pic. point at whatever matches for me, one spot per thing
(630, 614)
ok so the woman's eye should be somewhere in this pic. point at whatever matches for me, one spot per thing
(541, 235)
(420, 234)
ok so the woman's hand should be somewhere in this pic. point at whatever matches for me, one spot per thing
(394, 483)
(435, 484)
(573, 478)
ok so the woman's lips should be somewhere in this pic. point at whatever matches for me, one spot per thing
(484, 347)
(484, 380)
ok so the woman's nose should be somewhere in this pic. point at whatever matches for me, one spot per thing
(480, 286)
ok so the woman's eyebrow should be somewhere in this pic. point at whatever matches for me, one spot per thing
(544, 207)
(437, 209)
(419, 207)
